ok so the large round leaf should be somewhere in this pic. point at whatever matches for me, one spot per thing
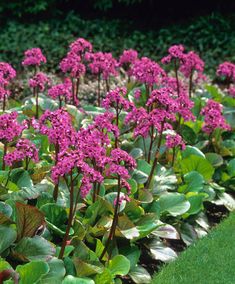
(56, 273)
(36, 248)
(199, 164)
(28, 220)
(69, 279)
(173, 203)
(140, 275)
(159, 251)
(32, 272)
(8, 236)
(119, 265)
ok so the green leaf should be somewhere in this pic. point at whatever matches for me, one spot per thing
(164, 180)
(132, 253)
(142, 171)
(85, 268)
(119, 265)
(188, 134)
(147, 224)
(32, 272)
(21, 178)
(166, 231)
(69, 279)
(160, 252)
(36, 248)
(104, 278)
(140, 275)
(4, 265)
(196, 203)
(56, 273)
(5, 209)
(215, 159)
(227, 200)
(188, 233)
(190, 150)
(194, 182)
(127, 228)
(28, 220)
(199, 164)
(136, 153)
(93, 110)
(133, 210)
(173, 203)
(145, 196)
(8, 236)
(231, 168)
(55, 214)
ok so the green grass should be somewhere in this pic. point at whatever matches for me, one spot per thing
(210, 261)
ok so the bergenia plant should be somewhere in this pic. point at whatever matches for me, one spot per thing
(7, 73)
(10, 129)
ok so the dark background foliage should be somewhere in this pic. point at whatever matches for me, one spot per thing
(112, 25)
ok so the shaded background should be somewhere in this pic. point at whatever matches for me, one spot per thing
(149, 26)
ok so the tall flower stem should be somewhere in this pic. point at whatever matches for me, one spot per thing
(98, 98)
(4, 154)
(173, 157)
(60, 102)
(70, 220)
(56, 188)
(107, 85)
(35, 91)
(156, 156)
(117, 121)
(115, 221)
(177, 77)
(77, 88)
(151, 143)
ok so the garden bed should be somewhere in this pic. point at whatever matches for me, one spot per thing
(107, 193)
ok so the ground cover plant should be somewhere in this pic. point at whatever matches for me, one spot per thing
(93, 193)
(214, 250)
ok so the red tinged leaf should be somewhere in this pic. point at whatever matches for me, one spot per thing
(28, 220)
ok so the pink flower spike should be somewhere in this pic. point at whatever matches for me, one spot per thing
(33, 57)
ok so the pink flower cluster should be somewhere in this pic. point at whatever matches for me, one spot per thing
(24, 149)
(63, 90)
(58, 127)
(74, 159)
(191, 62)
(213, 117)
(176, 52)
(115, 98)
(92, 143)
(80, 46)
(33, 57)
(147, 71)
(163, 98)
(175, 140)
(72, 65)
(103, 123)
(227, 70)
(127, 59)
(10, 128)
(39, 81)
(102, 63)
(7, 73)
(120, 163)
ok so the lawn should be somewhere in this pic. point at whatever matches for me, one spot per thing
(211, 260)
